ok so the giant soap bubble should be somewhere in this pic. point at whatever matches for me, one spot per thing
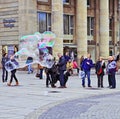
(35, 46)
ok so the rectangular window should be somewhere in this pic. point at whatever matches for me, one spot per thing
(44, 21)
(90, 26)
(42, 0)
(66, 1)
(88, 3)
(110, 27)
(68, 24)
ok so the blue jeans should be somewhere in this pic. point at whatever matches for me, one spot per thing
(41, 73)
(4, 74)
(87, 73)
(61, 77)
(30, 70)
(113, 80)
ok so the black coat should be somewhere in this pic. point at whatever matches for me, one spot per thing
(4, 60)
(62, 63)
(98, 66)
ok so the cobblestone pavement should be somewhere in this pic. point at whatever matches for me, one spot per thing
(96, 107)
(31, 99)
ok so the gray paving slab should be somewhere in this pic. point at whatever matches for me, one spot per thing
(32, 98)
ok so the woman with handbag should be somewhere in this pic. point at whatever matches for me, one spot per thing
(100, 66)
(14, 64)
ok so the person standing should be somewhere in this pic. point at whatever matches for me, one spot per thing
(75, 66)
(67, 57)
(51, 76)
(99, 67)
(4, 71)
(112, 66)
(87, 64)
(69, 66)
(108, 73)
(81, 61)
(28, 62)
(61, 68)
(40, 68)
(13, 72)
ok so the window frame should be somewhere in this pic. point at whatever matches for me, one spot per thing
(90, 26)
(110, 27)
(66, 3)
(44, 2)
(70, 30)
(88, 3)
(47, 20)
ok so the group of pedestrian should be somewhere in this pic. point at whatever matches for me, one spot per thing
(58, 72)
(111, 69)
(100, 66)
(63, 69)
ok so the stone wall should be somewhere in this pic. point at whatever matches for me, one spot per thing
(8, 23)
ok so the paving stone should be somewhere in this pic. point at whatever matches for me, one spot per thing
(32, 99)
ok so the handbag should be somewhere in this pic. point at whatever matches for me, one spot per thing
(37, 75)
(99, 71)
(81, 74)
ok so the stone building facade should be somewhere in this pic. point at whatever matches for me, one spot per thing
(81, 26)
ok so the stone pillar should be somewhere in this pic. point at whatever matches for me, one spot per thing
(27, 17)
(104, 28)
(81, 27)
(115, 26)
(57, 26)
(97, 27)
(119, 24)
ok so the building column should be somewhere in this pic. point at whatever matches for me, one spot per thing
(57, 26)
(97, 27)
(119, 24)
(27, 17)
(104, 28)
(115, 27)
(81, 27)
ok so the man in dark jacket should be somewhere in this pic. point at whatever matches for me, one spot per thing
(61, 68)
(4, 71)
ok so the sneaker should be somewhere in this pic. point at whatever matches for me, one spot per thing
(112, 87)
(90, 86)
(61, 87)
(47, 86)
(53, 86)
(5, 80)
(83, 86)
(109, 86)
